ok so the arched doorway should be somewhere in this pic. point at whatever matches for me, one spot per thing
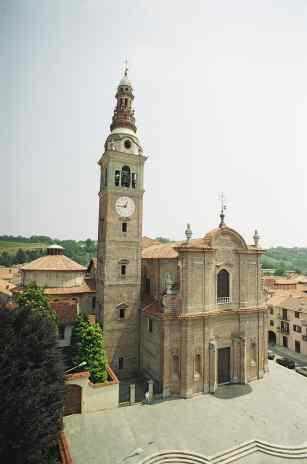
(272, 338)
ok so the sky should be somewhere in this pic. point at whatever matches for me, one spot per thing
(220, 105)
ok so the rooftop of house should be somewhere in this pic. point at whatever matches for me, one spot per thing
(66, 311)
(8, 273)
(153, 249)
(292, 300)
(53, 263)
(6, 287)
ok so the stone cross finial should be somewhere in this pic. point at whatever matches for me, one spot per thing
(188, 232)
(256, 238)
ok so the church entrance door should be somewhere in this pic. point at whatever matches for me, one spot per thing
(223, 365)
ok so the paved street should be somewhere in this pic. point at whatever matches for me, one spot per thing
(298, 358)
(272, 409)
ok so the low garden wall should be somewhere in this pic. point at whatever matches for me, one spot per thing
(96, 397)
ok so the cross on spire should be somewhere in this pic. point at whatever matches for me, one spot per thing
(222, 199)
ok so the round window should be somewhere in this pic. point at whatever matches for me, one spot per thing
(127, 144)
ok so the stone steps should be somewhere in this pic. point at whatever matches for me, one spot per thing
(228, 456)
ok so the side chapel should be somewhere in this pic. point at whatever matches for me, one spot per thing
(190, 315)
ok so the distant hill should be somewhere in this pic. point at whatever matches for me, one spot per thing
(18, 250)
(285, 259)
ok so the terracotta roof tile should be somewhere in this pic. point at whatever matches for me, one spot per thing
(66, 311)
(147, 242)
(53, 263)
(168, 250)
(8, 273)
(153, 308)
(5, 287)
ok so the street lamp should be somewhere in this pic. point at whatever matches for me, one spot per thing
(83, 363)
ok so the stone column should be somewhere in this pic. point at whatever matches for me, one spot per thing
(165, 337)
(235, 360)
(243, 361)
(212, 367)
(186, 363)
(150, 389)
(265, 340)
(132, 393)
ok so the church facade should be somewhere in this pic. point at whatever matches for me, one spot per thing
(190, 315)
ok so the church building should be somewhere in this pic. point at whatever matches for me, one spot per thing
(190, 315)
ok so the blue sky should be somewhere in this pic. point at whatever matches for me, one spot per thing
(220, 100)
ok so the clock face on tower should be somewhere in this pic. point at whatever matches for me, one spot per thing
(124, 206)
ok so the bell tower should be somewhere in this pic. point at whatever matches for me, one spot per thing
(119, 235)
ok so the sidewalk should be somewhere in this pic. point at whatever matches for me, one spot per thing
(282, 351)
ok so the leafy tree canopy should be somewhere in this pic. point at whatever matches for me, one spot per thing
(87, 344)
(163, 239)
(33, 298)
(32, 388)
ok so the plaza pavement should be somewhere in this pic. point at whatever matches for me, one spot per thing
(272, 409)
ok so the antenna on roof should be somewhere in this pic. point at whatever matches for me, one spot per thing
(222, 200)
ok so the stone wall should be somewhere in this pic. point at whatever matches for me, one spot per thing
(54, 278)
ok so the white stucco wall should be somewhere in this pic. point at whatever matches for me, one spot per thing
(99, 397)
(67, 337)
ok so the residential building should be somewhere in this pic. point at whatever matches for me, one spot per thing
(69, 287)
(288, 321)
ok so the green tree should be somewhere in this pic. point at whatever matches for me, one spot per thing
(280, 270)
(33, 298)
(31, 388)
(87, 344)
(21, 256)
(6, 259)
(163, 239)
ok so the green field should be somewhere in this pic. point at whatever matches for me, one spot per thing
(12, 247)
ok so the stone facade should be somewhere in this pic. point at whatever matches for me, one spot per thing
(288, 320)
(119, 237)
(188, 315)
(192, 339)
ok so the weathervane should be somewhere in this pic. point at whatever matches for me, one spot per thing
(222, 199)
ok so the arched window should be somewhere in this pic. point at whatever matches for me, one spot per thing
(117, 178)
(125, 176)
(223, 287)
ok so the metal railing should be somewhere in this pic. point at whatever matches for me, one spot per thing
(223, 300)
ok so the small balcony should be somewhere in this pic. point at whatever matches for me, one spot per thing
(223, 300)
(284, 330)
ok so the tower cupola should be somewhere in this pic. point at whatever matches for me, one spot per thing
(123, 116)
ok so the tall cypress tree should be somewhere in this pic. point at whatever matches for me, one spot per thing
(31, 388)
